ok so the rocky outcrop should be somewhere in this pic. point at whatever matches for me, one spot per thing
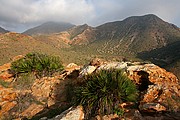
(159, 91)
(7, 100)
(41, 95)
(161, 88)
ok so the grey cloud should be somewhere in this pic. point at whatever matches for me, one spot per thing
(18, 15)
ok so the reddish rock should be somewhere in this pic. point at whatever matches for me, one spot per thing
(17, 57)
(5, 67)
(32, 110)
(160, 86)
(6, 75)
(96, 62)
(7, 99)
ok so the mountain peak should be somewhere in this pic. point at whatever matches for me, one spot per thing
(49, 27)
(2, 30)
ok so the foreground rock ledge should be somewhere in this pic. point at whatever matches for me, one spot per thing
(159, 89)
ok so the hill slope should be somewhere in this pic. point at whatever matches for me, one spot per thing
(2, 30)
(146, 37)
(49, 27)
(136, 34)
(13, 44)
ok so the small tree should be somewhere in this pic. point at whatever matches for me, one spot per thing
(102, 92)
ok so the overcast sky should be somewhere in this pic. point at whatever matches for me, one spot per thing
(19, 15)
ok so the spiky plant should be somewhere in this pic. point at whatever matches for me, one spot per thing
(103, 91)
(41, 64)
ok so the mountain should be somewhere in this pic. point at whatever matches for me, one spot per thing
(48, 28)
(136, 34)
(145, 37)
(13, 44)
(2, 30)
(132, 35)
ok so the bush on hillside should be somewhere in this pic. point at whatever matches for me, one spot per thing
(102, 92)
(40, 64)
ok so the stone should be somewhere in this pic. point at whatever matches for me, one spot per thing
(5, 67)
(72, 66)
(107, 117)
(17, 57)
(32, 110)
(113, 65)
(6, 75)
(71, 114)
(152, 107)
(96, 62)
(87, 70)
(72, 70)
(7, 100)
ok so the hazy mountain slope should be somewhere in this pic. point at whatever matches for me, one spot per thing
(2, 30)
(48, 28)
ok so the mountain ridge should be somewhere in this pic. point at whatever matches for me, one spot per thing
(2, 30)
(120, 39)
(48, 28)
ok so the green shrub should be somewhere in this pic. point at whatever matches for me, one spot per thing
(41, 64)
(102, 92)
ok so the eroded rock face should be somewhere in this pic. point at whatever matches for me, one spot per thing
(44, 93)
(7, 100)
(159, 89)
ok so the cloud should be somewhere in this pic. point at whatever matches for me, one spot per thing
(18, 15)
(21, 12)
(111, 10)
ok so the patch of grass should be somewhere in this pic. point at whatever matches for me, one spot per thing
(24, 81)
(102, 92)
(4, 83)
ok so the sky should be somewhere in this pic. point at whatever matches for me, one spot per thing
(20, 15)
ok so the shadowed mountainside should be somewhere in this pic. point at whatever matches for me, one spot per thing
(49, 27)
(167, 57)
(2, 30)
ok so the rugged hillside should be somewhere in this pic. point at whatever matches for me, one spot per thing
(136, 34)
(77, 35)
(82, 34)
(2, 30)
(132, 35)
(138, 37)
(58, 40)
(13, 44)
(49, 27)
